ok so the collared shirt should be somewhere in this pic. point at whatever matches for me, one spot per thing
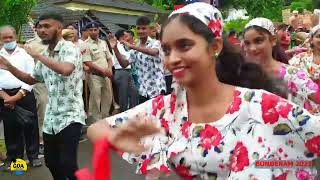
(124, 53)
(65, 105)
(80, 41)
(21, 60)
(97, 52)
(150, 70)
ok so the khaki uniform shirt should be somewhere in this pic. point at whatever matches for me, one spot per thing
(97, 52)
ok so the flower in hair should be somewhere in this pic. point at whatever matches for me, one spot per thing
(216, 27)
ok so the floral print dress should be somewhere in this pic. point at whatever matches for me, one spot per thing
(300, 87)
(306, 63)
(257, 126)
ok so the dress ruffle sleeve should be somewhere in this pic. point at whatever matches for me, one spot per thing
(157, 155)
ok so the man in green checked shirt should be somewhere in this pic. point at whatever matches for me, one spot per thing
(60, 68)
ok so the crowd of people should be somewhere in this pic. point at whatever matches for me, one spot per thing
(191, 99)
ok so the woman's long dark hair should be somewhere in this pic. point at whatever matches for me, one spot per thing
(230, 65)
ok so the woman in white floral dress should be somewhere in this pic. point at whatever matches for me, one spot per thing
(211, 130)
(309, 62)
(259, 43)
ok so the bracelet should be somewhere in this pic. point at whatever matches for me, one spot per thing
(22, 92)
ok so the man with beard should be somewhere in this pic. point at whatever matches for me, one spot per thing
(60, 68)
(40, 90)
(18, 98)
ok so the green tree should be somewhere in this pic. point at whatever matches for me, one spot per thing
(271, 9)
(15, 12)
(316, 4)
(237, 25)
(300, 5)
(163, 4)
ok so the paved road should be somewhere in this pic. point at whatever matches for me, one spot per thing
(120, 169)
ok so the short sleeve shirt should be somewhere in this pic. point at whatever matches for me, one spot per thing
(65, 103)
(124, 53)
(150, 70)
(97, 52)
(20, 59)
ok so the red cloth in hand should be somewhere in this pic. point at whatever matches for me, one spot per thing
(100, 162)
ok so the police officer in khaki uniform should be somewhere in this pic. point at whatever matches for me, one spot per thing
(40, 90)
(99, 59)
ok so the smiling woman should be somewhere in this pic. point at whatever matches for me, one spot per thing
(229, 63)
(211, 130)
(260, 40)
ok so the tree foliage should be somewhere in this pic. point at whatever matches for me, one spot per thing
(163, 4)
(300, 5)
(15, 12)
(237, 25)
(271, 9)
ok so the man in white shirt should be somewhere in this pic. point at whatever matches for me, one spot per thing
(126, 91)
(18, 96)
(84, 35)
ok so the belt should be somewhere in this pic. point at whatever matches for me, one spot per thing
(96, 74)
(13, 91)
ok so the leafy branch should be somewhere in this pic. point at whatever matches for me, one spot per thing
(15, 12)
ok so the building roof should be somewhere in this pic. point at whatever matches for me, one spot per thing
(69, 16)
(111, 21)
(106, 18)
(123, 4)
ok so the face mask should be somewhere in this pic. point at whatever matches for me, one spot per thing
(10, 45)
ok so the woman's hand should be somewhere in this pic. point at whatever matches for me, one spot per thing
(127, 137)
